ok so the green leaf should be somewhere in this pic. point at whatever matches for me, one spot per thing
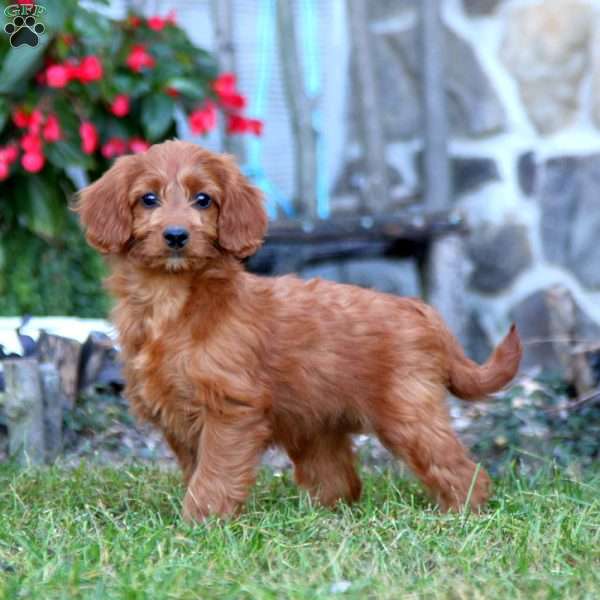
(187, 87)
(157, 115)
(58, 11)
(4, 113)
(43, 207)
(20, 64)
(94, 29)
(66, 154)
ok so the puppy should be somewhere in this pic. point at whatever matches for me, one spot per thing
(227, 363)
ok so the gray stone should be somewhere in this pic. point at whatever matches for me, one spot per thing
(546, 48)
(527, 173)
(570, 221)
(400, 104)
(385, 275)
(532, 317)
(385, 11)
(478, 344)
(500, 254)
(468, 173)
(480, 7)
(473, 105)
(352, 179)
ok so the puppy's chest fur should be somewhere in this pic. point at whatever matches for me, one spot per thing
(176, 367)
(158, 352)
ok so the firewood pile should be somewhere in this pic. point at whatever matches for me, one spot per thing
(40, 386)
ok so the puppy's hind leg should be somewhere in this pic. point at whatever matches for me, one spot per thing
(325, 466)
(415, 426)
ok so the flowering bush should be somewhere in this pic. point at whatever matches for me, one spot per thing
(93, 89)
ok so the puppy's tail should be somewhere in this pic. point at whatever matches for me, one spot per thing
(471, 381)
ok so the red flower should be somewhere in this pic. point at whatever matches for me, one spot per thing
(120, 105)
(139, 58)
(171, 91)
(67, 39)
(233, 101)
(202, 120)
(137, 145)
(72, 67)
(90, 69)
(89, 137)
(156, 23)
(57, 76)
(4, 170)
(52, 131)
(171, 17)
(114, 147)
(20, 118)
(9, 154)
(36, 120)
(237, 124)
(31, 143)
(225, 88)
(134, 21)
(224, 84)
(33, 162)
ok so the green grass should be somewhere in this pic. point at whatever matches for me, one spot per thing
(105, 533)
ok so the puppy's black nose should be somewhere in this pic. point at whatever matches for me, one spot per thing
(176, 237)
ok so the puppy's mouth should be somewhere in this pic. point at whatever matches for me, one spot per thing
(176, 262)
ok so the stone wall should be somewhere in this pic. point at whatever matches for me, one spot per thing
(523, 85)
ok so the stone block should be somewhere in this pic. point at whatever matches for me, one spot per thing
(499, 255)
(546, 48)
(570, 215)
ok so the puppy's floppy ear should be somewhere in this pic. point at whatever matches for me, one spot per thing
(104, 209)
(242, 217)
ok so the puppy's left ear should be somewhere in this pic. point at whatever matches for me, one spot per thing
(104, 210)
(242, 217)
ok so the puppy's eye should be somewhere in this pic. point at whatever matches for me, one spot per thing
(202, 200)
(149, 200)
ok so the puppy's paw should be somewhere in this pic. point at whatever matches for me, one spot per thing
(199, 505)
(192, 512)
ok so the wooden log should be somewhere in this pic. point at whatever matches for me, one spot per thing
(376, 191)
(96, 352)
(300, 106)
(445, 281)
(64, 354)
(395, 227)
(562, 312)
(24, 407)
(435, 116)
(445, 270)
(53, 410)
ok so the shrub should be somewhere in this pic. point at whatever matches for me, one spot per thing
(92, 89)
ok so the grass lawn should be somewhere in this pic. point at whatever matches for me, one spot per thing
(95, 532)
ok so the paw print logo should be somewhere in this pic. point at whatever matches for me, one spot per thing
(24, 31)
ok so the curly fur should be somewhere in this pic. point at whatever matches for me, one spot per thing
(227, 363)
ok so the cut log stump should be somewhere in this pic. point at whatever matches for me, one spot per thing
(24, 407)
(33, 404)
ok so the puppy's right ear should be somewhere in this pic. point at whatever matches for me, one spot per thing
(104, 209)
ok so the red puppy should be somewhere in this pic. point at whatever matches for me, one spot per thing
(227, 363)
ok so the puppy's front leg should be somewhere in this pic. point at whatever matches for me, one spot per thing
(231, 445)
